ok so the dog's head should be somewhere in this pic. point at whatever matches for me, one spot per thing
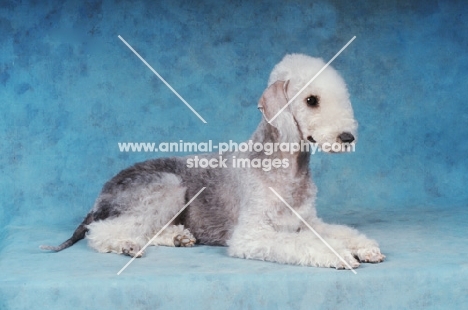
(321, 113)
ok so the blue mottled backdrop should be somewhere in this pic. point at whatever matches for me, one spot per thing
(70, 90)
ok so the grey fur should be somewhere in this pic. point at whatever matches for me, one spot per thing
(213, 215)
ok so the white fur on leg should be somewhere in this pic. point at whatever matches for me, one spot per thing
(151, 209)
(175, 235)
(302, 248)
(115, 236)
(365, 249)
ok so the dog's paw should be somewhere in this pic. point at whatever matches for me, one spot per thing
(370, 255)
(350, 262)
(132, 249)
(186, 239)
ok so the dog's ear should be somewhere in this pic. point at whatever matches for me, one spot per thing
(273, 100)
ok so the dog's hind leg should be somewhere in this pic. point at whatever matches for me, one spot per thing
(120, 241)
(175, 236)
(145, 210)
(117, 235)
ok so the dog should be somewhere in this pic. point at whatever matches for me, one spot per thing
(238, 209)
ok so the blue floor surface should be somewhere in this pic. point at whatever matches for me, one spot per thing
(426, 268)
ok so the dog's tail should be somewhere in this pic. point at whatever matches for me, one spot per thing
(78, 234)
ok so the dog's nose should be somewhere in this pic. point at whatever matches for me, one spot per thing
(346, 137)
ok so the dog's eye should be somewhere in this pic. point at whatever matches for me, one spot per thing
(312, 101)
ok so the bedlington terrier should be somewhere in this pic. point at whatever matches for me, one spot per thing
(237, 209)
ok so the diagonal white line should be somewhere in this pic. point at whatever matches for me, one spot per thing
(313, 230)
(311, 80)
(159, 232)
(163, 80)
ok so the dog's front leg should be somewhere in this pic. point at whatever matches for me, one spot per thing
(263, 242)
(365, 249)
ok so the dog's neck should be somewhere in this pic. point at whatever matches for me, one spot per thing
(266, 133)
